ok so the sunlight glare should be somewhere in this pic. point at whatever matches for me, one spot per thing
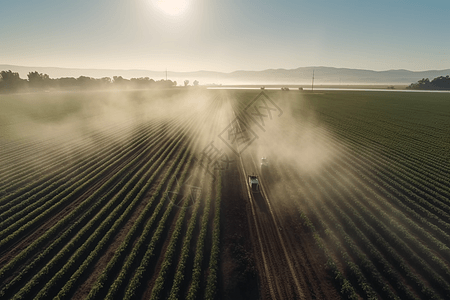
(172, 7)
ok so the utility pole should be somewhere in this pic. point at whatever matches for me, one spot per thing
(312, 85)
(166, 74)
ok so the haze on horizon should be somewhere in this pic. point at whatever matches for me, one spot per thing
(224, 36)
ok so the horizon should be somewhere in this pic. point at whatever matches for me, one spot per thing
(194, 35)
(215, 71)
(299, 76)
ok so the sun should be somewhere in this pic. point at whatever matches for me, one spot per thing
(171, 7)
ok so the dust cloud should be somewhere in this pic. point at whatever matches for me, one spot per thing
(297, 138)
(60, 122)
(296, 144)
(69, 122)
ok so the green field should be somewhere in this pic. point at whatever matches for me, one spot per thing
(90, 208)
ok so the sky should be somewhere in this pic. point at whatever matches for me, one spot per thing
(227, 35)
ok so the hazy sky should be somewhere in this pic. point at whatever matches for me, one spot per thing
(226, 35)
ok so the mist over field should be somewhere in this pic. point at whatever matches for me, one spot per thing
(60, 120)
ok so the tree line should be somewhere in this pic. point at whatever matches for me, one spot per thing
(11, 82)
(438, 83)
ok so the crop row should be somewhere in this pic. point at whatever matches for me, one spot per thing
(344, 285)
(382, 239)
(376, 258)
(181, 267)
(97, 203)
(137, 281)
(49, 206)
(387, 134)
(392, 146)
(369, 184)
(93, 193)
(213, 269)
(353, 161)
(135, 196)
(22, 171)
(418, 262)
(28, 180)
(199, 251)
(38, 200)
(109, 285)
(395, 143)
(170, 250)
(119, 253)
(366, 168)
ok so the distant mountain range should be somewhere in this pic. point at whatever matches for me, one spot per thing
(301, 76)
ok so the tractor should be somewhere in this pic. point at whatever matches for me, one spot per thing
(253, 182)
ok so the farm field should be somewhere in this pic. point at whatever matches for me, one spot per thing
(144, 195)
